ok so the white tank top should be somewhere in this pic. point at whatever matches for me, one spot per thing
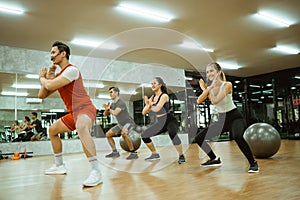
(226, 104)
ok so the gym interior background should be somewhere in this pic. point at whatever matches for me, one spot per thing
(266, 83)
(261, 59)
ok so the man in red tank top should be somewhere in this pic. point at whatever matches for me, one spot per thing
(81, 111)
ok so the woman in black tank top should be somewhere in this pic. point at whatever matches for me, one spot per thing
(158, 105)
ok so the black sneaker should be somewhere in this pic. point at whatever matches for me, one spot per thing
(181, 159)
(253, 168)
(132, 156)
(153, 157)
(112, 155)
(215, 162)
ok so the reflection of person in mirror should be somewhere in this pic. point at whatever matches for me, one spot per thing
(125, 123)
(159, 105)
(16, 129)
(37, 125)
(219, 91)
(81, 111)
(26, 128)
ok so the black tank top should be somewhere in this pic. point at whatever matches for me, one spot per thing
(166, 107)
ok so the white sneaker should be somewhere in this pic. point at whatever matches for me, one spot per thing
(56, 170)
(93, 179)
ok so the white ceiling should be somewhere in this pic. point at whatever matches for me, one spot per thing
(228, 27)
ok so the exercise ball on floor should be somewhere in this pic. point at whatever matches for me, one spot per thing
(134, 137)
(263, 139)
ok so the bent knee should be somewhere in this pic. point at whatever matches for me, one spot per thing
(147, 140)
(53, 131)
(109, 134)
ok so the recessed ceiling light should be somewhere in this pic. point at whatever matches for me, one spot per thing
(103, 96)
(270, 17)
(145, 12)
(6, 93)
(146, 85)
(26, 86)
(128, 92)
(228, 65)
(55, 110)
(93, 84)
(194, 45)
(297, 77)
(11, 10)
(286, 49)
(95, 44)
(33, 76)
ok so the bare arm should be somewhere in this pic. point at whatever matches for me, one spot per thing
(226, 90)
(24, 127)
(164, 99)
(44, 93)
(50, 74)
(54, 84)
(148, 105)
(109, 111)
(203, 96)
(205, 92)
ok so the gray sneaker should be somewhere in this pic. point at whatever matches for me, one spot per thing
(153, 157)
(112, 155)
(132, 156)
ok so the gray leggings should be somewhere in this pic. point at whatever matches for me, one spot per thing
(165, 123)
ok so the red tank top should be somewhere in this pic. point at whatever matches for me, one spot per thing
(74, 94)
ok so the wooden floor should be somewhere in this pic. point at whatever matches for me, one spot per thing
(279, 176)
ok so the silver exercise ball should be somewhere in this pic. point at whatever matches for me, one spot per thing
(263, 139)
(134, 137)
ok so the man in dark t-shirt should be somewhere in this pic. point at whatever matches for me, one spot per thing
(125, 123)
(37, 125)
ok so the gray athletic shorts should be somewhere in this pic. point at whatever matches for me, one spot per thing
(118, 128)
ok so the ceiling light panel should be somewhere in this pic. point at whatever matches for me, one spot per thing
(286, 49)
(103, 96)
(11, 10)
(144, 11)
(32, 76)
(272, 18)
(7, 93)
(194, 45)
(27, 86)
(95, 44)
(229, 65)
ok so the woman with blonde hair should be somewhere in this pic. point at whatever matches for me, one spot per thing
(219, 92)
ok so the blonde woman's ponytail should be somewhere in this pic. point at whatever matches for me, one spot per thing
(223, 76)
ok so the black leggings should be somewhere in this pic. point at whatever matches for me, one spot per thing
(164, 123)
(231, 121)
